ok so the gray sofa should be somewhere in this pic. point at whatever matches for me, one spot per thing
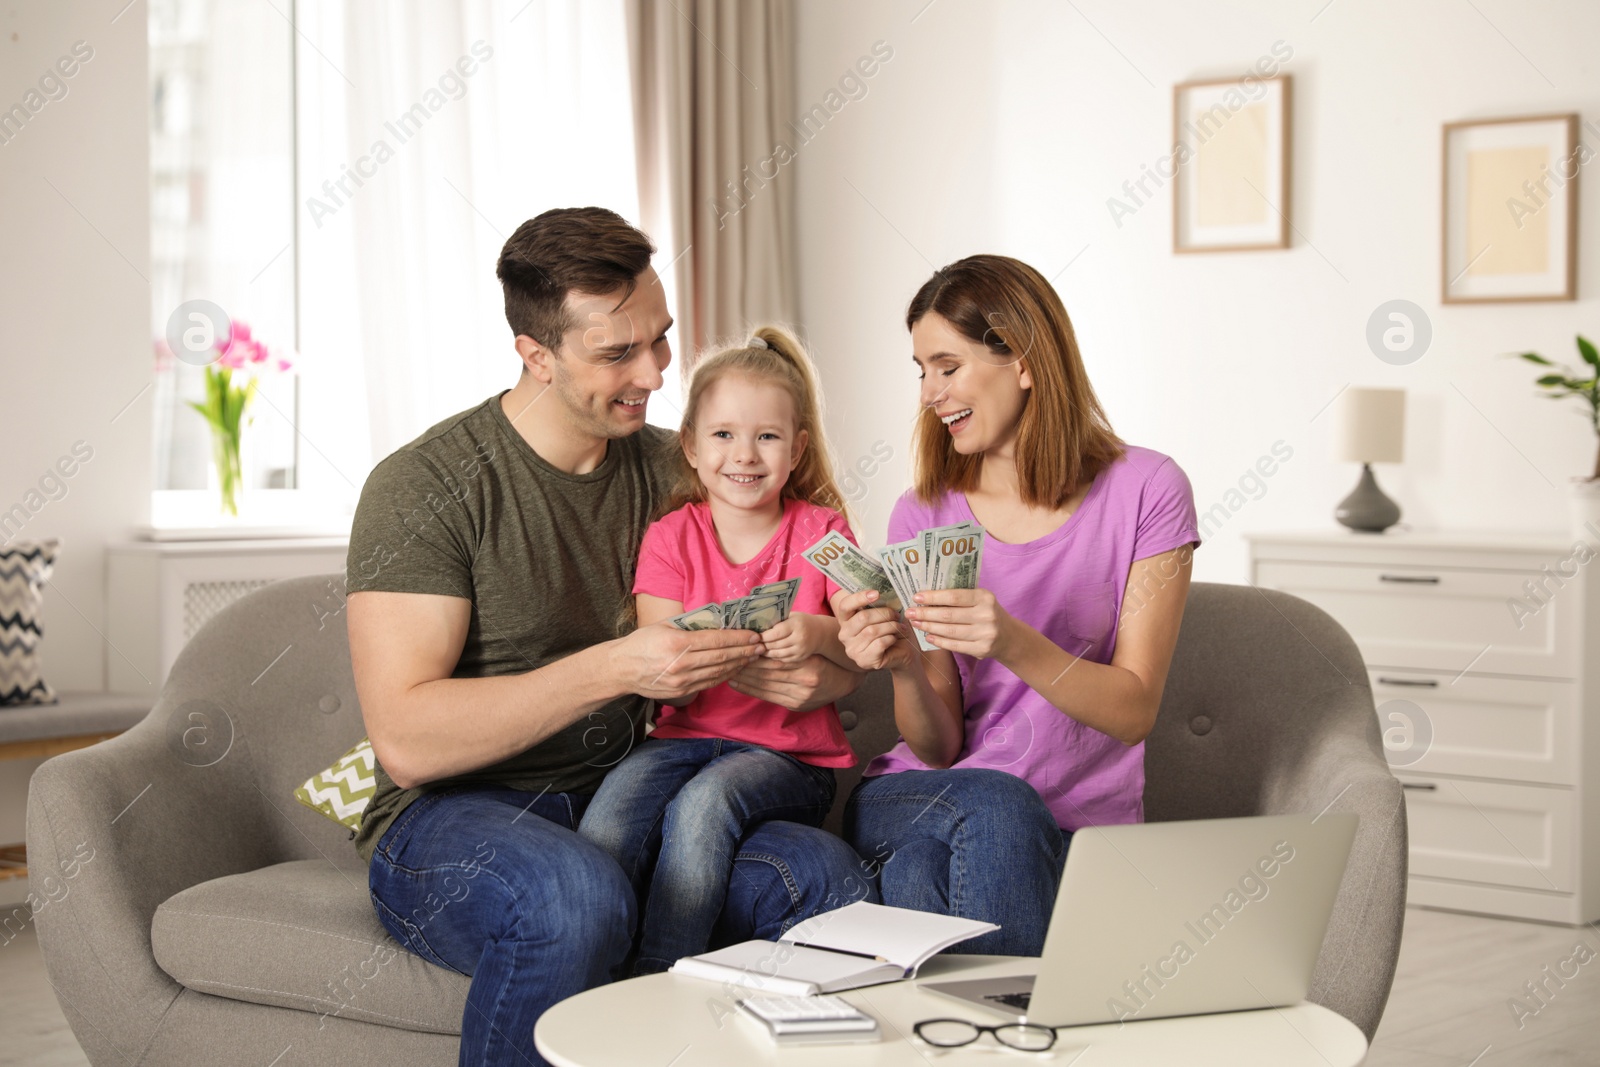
(217, 920)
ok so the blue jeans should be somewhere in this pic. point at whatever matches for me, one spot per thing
(970, 842)
(672, 815)
(495, 884)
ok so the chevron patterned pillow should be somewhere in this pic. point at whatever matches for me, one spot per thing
(24, 568)
(343, 791)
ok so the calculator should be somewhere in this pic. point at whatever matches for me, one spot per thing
(819, 1020)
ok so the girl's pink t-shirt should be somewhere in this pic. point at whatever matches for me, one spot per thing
(680, 559)
(1069, 586)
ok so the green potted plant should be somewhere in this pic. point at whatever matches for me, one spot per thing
(1558, 385)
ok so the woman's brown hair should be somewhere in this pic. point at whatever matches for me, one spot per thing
(1063, 437)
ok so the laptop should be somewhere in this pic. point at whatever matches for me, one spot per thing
(1179, 918)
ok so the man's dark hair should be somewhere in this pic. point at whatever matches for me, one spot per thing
(584, 249)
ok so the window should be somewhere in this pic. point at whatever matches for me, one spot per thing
(222, 221)
(344, 184)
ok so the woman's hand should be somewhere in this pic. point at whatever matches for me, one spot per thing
(871, 634)
(969, 621)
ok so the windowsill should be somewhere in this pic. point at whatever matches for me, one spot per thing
(264, 514)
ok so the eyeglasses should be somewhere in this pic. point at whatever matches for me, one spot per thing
(953, 1033)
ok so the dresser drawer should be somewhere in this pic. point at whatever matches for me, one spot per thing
(1490, 832)
(1440, 618)
(1523, 729)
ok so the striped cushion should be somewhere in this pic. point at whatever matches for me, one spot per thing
(343, 791)
(24, 568)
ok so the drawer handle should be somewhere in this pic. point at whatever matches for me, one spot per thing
(1410, 579)
(1426, 786)
(1420, 683)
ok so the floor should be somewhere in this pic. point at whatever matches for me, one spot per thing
(1458, 974)
(32, 1029)
(1449, 1007)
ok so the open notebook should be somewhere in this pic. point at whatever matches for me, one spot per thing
(857, 945)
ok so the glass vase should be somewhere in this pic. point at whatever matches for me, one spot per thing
(225, 450)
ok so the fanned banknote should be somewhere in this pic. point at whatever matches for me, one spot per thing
(903, 564)
(852, 569)
(760, 610)
(944, 557)
(704, 618)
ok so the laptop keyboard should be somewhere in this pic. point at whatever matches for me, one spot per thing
(1011, 1000)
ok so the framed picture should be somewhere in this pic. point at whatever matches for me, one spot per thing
(1510, 210)
(1231, 143)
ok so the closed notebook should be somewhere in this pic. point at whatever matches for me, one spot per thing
(857, 945)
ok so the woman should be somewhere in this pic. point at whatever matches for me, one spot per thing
(1027, 721)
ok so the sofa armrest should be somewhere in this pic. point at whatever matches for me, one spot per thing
(113, 830)
(1342, 769)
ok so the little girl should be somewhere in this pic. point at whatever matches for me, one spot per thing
(756, 490)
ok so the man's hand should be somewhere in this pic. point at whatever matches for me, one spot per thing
(870, 633)
(665, 663)
(803, 686)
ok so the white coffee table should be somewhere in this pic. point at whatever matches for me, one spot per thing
(666, 1019)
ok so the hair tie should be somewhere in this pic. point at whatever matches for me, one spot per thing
(759, 342)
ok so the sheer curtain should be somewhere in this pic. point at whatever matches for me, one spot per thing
(436, 129)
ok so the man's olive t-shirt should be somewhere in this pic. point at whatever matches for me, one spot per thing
(547, 558)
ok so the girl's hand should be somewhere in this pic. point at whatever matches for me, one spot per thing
(793, 639)
(969, 621)
(872, 635)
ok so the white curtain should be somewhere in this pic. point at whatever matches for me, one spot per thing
(460, 119)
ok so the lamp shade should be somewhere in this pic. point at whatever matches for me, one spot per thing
(1372, 425)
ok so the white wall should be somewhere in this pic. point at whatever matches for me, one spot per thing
(1006, 127)
(75, 343)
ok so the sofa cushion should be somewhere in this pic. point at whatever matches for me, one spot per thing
(302, 935)
(343, 791)
(24, 568)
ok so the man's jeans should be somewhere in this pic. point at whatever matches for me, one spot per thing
(975, 843)
(672, 815)
(494, 883)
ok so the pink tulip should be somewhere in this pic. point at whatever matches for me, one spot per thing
(239, 330)
(258, 352)
(284, 364)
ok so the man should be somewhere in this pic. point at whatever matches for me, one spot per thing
(491, 560)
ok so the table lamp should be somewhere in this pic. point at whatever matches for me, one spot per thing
(1372, 430)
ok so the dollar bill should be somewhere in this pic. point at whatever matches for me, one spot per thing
(927, 542)
(852, 569)
(894, 568)
(789, 588)
(761, 613)
(902, 562)
(761, 609)
(708, 617)
(955, 554)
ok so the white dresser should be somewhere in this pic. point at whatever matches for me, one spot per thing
(1483, 651)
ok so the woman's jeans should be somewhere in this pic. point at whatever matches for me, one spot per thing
(494, 883)
(975, 843)
(672, 815)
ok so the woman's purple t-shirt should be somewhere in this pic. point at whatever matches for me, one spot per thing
(1068, 585)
